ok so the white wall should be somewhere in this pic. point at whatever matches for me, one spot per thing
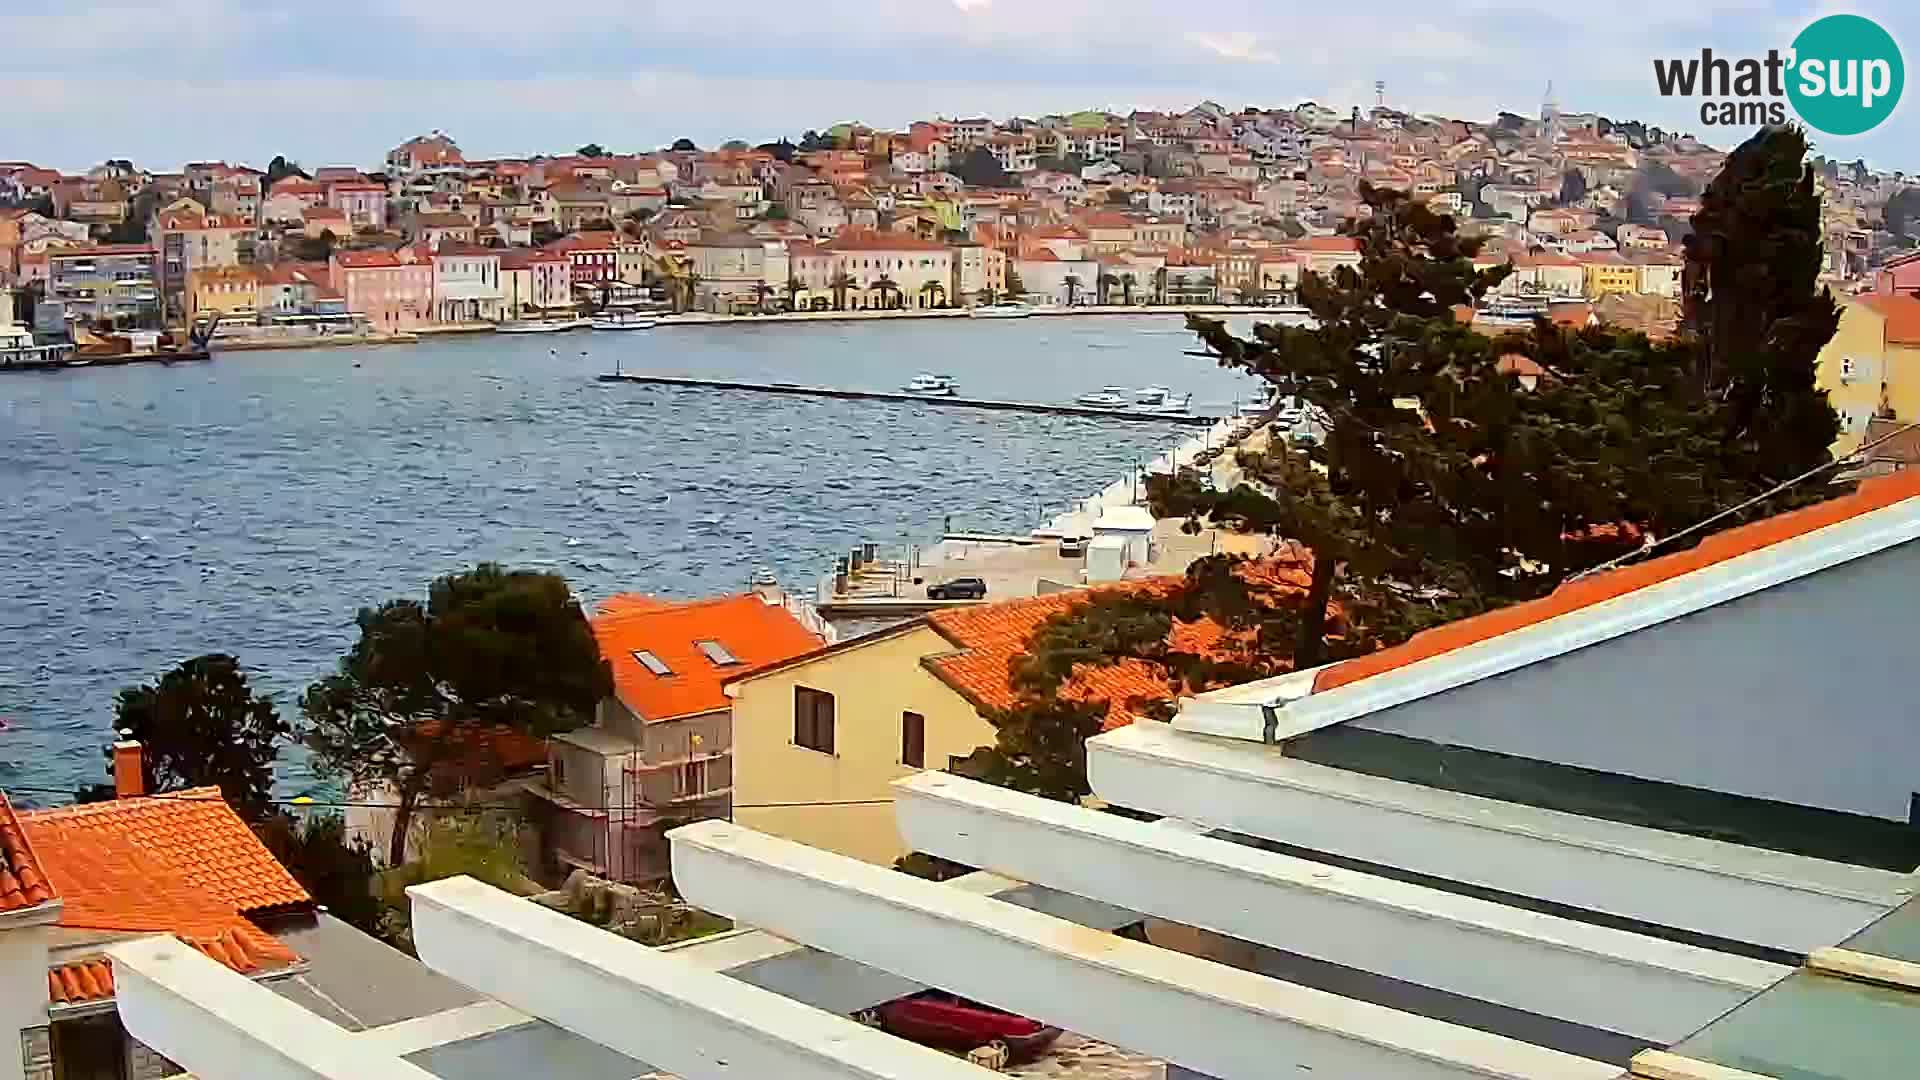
(1800, 693)
(23, 992)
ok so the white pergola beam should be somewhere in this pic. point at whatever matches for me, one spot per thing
(1201, 1015)
(839, 985)
(221, 1025)
(1786, 902)
(1659, 990)
(699, 1025)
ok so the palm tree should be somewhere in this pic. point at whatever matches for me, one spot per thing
(840, 284)
(1072, 282)
(1127, 282)
(887, 288)
(933, 294)
(793, 293)
(1160, 285)
(761, 293)
(1106, 284)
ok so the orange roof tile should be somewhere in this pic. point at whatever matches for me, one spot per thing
(181, 864)
(1873, 494)
(1902, 313)
(22, 882)
(989, 637)
(754, 631)
(192, 833)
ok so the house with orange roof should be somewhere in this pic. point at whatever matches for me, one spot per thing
(817, 738)
(660, 750)
(1745, 689)
(1871, 366)
(75, 880)
(393, 289)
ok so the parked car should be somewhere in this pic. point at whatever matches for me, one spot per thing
(1073, 547)
(960, 588)
(935, 1018)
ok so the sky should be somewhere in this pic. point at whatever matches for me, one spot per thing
(168, 81)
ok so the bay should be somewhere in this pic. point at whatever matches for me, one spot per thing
(252, 504)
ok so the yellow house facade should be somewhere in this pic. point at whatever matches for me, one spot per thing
(227, 290)
(818, 739)
(1609, 275)
(1871, 367)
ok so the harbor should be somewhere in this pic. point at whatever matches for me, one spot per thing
(1103, 412)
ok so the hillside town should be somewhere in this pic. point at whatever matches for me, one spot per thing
(1299, 748)
(1149, 208)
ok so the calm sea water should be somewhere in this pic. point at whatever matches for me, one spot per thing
(253, 504)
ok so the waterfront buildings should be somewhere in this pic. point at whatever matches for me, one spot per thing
(115, 285)
(393, 289)
(466, 283)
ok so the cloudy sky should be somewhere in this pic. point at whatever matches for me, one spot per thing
(166, 81)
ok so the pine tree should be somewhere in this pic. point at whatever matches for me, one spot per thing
(1754, 302)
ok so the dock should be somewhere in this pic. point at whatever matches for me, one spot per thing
(690, 383)
(69, 359)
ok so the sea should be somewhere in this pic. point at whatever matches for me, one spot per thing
(253, 504)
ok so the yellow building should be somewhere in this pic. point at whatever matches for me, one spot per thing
(228, 290)
(837, 727)
(1871, 367)
(1604, 273)
(818, 739)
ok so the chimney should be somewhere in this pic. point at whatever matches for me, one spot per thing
(129, 779)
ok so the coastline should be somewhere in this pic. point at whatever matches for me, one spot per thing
(697, 318)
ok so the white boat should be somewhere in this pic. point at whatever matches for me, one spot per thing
(1000, 311)
(1107, 397)
(543, 326)
(927, 384)
(1160, 401)
(624, 320)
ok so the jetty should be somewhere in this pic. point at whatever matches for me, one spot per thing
(798, 389)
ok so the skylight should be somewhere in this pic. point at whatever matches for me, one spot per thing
(717, 653)
(651, 662)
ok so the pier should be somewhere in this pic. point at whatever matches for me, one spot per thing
(687, 382)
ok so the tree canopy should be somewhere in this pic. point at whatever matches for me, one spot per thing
(201, 725)
(685, 145)
(279, 169)
(431, 695)
(592, 150)
(979, 168)
(1437, 484)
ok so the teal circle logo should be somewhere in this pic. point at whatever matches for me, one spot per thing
(1847, 74)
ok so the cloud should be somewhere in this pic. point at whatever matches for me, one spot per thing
(242, 78)
(1235, 45)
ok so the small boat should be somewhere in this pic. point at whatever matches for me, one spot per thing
(543, 326)
(1107, 397)
(1000, 311)
(1160, 401)
(927, 384)
(627, 319)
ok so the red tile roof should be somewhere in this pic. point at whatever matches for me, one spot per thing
(754, 631)
(194, 833)
(989, 637)
(1873, 494)
(1902, 313)
(22, 883)
(870, 240)
(181, 864)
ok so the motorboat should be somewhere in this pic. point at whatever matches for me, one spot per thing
(624, 319)
(1107, 397)
(543, 326)
(1000, 311)
(1160, 401)
(927, 384)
